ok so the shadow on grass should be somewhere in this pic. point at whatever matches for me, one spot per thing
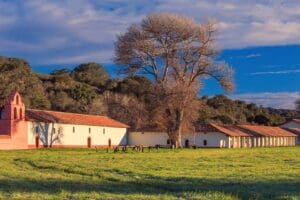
(157, 185)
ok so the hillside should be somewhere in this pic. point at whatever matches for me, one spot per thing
(88, 88)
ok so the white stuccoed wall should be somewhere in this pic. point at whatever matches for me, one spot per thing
(147, 138)
(118, 136)
(214, 139)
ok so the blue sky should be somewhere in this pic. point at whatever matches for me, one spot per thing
(259, 38)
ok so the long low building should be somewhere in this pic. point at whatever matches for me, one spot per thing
(22, 128)
(221, 136)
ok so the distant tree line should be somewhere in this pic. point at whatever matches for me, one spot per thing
(88, 88)
(298, 105)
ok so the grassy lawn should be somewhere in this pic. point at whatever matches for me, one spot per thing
(261, 173)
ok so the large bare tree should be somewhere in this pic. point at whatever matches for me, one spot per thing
(178, 53)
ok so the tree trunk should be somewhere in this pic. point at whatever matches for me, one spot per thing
(179, 128)
(176, 133)
(178, 139)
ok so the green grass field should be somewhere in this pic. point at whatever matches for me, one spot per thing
(261, 173)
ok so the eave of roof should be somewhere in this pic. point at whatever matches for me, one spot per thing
(233, 131)
(267, 130)
(72, 118)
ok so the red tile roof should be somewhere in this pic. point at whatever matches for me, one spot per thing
(227, 130)
(267, 130)
(231, 130)
(244, 130)
(72, 118)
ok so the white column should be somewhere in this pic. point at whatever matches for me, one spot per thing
(272, 141)
(250, 141)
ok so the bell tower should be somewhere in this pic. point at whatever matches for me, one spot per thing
(13, 112)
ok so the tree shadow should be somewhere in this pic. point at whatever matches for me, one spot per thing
(153, 185)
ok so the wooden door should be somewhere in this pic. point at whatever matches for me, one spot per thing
(37, 141)
(89, 141)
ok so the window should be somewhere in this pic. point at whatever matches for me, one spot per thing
(204, 142)
(15, 113)
(103, 130)
(187, 143)
(21, 113)
(17, 99)
(73, 129)
(90, 130)
(168, 141)
(37, 129)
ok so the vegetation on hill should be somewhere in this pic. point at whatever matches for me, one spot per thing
(124, 99)
(16, 73)
(221, 109)
(258, 173)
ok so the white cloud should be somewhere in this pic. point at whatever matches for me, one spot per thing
(252, 55)
(277, 72)
(99, 56)
(50, 29)
(285, 100)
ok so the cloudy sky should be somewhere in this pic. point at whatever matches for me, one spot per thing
(259, 38)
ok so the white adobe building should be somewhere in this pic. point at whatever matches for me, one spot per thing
(220, 136)
(294, 127)
(23, 129)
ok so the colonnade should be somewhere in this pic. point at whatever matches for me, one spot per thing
(271, 141)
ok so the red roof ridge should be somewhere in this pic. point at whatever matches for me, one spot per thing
(263, 130)
(231, 130)
(54, 111)
(72, 118)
